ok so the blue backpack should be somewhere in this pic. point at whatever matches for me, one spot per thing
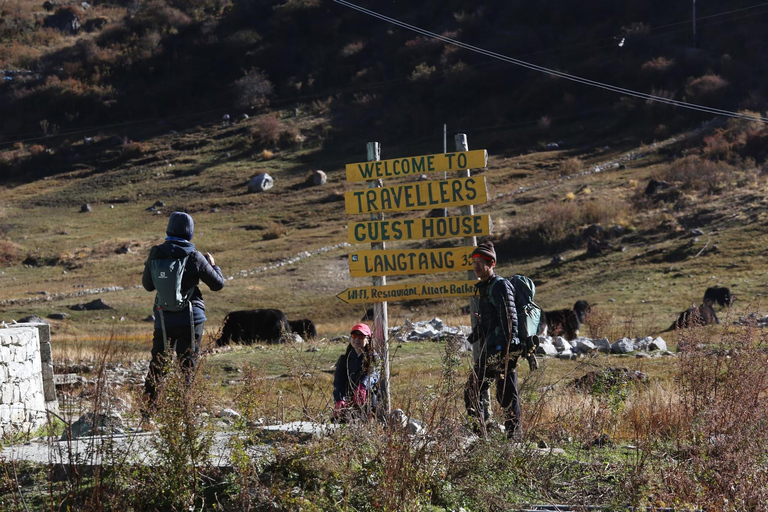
(528, 313)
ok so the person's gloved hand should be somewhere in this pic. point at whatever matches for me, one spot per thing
(360, 395)
(339, 408)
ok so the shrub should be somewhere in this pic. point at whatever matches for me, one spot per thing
(253, 89)
(658, 65)
(132, 150)
(423, 71)
(695, 173)
(266, 154)
(275, 231)
(266, 129)
(10, 253)
(706, 86)
(723, 429)
(571, 166)
(36, 149)
(716, 146)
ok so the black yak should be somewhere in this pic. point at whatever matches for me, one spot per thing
(254, 324)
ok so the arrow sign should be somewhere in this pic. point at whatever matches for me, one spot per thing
(395, 292)
(417, 165)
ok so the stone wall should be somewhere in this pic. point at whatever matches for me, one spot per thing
(27, 389)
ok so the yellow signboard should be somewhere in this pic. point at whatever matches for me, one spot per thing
(395, 292)
(404, 262)
(417, 165)
(418, 229)
(421, 195)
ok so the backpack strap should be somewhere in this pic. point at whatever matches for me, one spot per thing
(495, 279)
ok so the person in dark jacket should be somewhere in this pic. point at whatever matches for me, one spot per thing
(180, 324)
(355, 383)
(497, 333)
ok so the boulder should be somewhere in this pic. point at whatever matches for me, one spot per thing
(99, 424)
(658, 344)
(90, 306)
(561, 344)
(317, 178)
(260, 183)
(32, 319)
(585, 345)
(622, 346)
(603, 345)
(546, 348)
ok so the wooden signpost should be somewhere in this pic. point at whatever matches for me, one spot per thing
(379, 262)
(408, 262)
(393, 292)
(417, 165)
(421, 195)
(418, 229)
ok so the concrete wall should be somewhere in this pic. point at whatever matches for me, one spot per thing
(27, 389)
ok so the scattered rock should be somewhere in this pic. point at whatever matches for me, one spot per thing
(90, 306)
(317, 178)
(90, 424)
(260, 183)
(86, 208)
(32, 319)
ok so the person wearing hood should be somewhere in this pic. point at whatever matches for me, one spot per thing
(355, 382)
(176, 328)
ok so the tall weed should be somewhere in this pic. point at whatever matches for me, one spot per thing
(719, 455)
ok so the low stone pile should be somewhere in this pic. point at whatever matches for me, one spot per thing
(561, 348)
(436, 330)
(752, 319)
(431, 330)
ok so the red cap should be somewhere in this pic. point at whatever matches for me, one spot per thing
(361, 328)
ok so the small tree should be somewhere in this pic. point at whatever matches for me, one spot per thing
(252, 89)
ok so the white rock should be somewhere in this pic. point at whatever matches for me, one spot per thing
(658, 344)
(622, 346)
(260, 183)
(546, 348)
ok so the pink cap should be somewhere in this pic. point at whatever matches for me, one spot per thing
(361, 328)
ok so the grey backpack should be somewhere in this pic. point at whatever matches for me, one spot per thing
(166, 276)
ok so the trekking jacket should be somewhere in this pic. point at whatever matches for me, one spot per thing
(497, 327)
(353, 369)
(197, 269)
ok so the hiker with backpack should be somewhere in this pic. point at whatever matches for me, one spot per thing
(497, 333)
(174, 269)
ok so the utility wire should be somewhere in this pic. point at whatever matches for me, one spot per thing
(552, 72)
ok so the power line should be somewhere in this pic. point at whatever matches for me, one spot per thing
(552, 72)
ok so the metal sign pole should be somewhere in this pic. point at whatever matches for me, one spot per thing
(380, 320)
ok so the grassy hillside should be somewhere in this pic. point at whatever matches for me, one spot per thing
(128, 112)
(541, 201)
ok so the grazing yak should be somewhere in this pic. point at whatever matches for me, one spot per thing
(564, 322)
(720, 295)
(253, 324)
(304, 328)
(695, 317)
